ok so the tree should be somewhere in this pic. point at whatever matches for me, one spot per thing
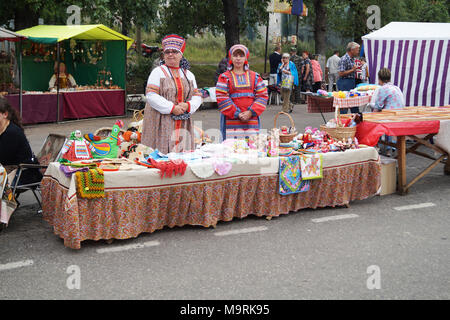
(187, 17)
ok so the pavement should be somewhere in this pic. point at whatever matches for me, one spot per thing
(389, 247)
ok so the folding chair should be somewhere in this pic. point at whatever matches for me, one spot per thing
(49, 152)
(274, 92)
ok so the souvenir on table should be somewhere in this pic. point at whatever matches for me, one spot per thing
(311, 166)
(108, 147)
(202, 170)
(132, 134)
(273, 143)
(90, 184)
(290, 176)
(167, 168)
(77, 148)
(222, 167)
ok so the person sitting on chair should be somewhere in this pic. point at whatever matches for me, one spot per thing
(14, 146)
(388, 96)
(65, 79)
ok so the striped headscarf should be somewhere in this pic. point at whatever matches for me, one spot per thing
(246, 52)
(173, 41)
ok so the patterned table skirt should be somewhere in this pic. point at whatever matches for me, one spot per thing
(128, 213)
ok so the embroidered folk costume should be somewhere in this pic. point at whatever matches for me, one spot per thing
(167, 87)
(237, 93)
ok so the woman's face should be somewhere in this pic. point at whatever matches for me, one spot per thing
(172, 57)
(285, 60)
(3, 118)
(304, 55)
(238, 59)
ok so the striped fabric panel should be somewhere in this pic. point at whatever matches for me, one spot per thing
(197, 92)
(242, 95)
(238, 125)
(152, 88)
(419, 68)
(240, 133)
(225, 104)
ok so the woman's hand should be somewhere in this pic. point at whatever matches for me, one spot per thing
(245, 116)
(177, 110)
(184, 106)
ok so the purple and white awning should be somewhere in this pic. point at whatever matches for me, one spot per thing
(418, 55)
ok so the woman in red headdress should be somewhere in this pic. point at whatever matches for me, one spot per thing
(241, 96)
(172, 97)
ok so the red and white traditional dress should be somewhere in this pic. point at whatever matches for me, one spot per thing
(237, 93)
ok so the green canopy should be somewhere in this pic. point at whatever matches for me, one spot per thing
(52, 34)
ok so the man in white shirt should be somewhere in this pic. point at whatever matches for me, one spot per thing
(332, 70)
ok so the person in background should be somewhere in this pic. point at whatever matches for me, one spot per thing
(286, 70)
(388, 96)
(241, 96)
(297, 60)
(332, 70)
(172, 97)
(65, 79)
(14, 146)
(274, 59)
(364, 70)
(221, 67)
(307, 76)
(317, 73)
(347, 72)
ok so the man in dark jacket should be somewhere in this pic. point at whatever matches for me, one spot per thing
(275, 60)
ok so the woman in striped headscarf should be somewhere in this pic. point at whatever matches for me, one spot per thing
(241, 96)
(172, 97)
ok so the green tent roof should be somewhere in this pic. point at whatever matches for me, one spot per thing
(53, 34)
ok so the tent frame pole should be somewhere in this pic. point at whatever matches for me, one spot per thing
(57, 80)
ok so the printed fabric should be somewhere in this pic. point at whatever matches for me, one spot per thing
(90, 184)
(290, 176)
(311, 166)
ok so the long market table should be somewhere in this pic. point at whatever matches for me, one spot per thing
(138, 201)
(42, 107)
(369, 132)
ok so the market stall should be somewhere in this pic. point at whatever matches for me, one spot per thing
(417, 54)
(94, 55)
(10, 68)
(420, 124)
(117, 188)
(138, 200)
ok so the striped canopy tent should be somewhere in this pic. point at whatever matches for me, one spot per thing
(418, 55)
(7, 35)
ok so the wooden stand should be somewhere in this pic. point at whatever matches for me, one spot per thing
(402, 185)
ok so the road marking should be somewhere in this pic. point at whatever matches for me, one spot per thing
(333, 218)
(14, 265)
(239, 231)
(415, 206)
(129, 247)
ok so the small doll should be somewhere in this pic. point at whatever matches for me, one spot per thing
(77, 148)
(132, 134)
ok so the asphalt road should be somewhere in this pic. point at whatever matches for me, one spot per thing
(376, 249)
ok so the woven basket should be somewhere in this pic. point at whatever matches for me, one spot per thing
(340, 133)
(285, 138)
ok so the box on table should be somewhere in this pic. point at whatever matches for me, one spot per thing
(388, 176)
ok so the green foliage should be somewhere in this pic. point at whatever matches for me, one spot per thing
(189, 17)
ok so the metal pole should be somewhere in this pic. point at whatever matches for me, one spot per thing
(57, 82)
(20, 77)
(125, 84)
(267, 42)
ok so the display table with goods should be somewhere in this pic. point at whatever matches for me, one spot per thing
(323, 101)
(427, 126)
(139, 190)
(71, 72)
(75, 103)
